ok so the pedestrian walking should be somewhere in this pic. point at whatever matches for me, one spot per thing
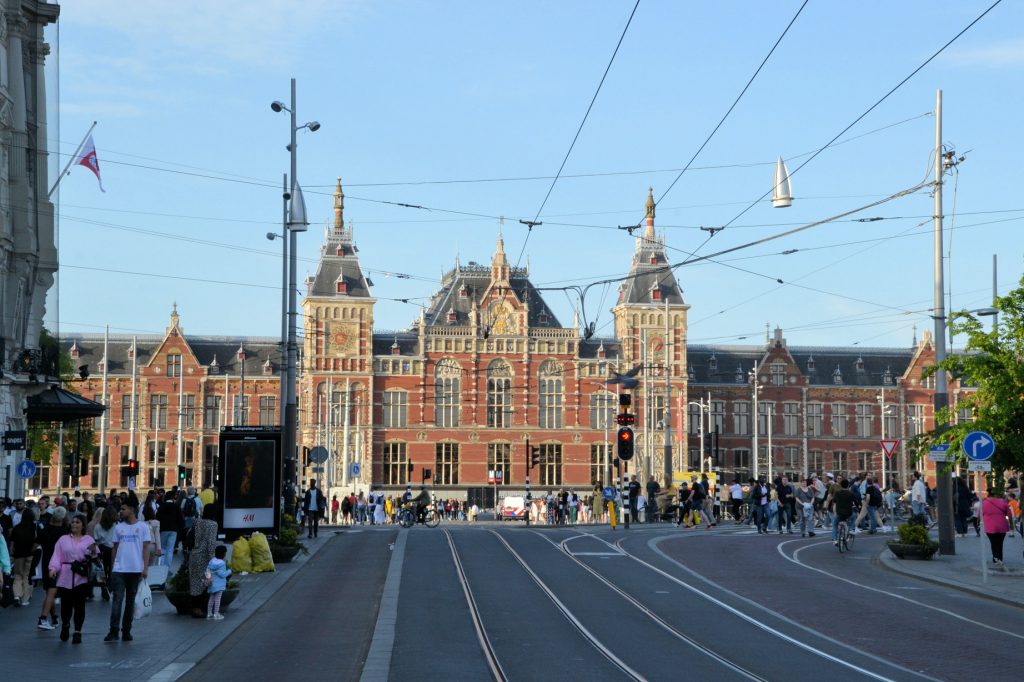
(23, 546)
(203, 545)
(172, 526)
(217, 573)
(314, 504)
(805, 507)
(130, 561)
(69, 567)
(996, 513)
(103, 533)
(335, 506)
(56, 526)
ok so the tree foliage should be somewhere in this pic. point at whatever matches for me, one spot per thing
(44, 438)
(992, 364)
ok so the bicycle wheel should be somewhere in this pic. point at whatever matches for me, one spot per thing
(843, 533)
(431, 519)
(849, 540)
(406, 519)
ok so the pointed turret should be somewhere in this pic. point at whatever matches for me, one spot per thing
(649, 213)
(339, 208)
(175, 319)
(500, 270)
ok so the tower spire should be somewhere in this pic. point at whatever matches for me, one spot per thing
(339, 208)
(649, 211)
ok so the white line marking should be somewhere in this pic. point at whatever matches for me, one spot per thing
(797, 561)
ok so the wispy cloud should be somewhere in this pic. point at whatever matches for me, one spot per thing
(1008, 54)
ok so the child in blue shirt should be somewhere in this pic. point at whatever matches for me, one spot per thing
(217, 573)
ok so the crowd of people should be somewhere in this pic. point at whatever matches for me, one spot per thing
(373, 508)
(63, 550)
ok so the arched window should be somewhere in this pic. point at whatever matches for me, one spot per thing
(499, 394)
(550, 399)
(446, 393)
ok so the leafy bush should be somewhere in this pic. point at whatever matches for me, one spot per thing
(179, 581)
(914, 534)
(289, 538)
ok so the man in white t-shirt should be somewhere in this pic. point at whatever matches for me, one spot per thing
(130, 558)
(736, 500)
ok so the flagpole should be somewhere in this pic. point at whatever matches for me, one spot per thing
(74, 156)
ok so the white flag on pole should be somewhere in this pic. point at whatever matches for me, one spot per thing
(87, 158)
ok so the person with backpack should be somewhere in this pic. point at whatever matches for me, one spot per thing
(870, 507)
(191, 508)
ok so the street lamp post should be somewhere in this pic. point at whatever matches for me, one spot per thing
(754, 422)
(700, 428)
(296, 222)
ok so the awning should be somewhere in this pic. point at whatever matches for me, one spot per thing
(57, 405)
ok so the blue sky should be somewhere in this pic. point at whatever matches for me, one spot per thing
(410, 93)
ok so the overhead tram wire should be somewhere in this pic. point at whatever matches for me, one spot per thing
(869, 109)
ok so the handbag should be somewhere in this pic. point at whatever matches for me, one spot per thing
(80, 567)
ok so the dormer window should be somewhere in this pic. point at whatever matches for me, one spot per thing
(268, 368)
(739, 374)
(341, 286)
(601, 353)
(74, 350)
(543, 317)
(214, 367)
(837, 376)
(240, 354)
(101, 366)
(395, 350)
(810, 364)
(654, 260)
(463, 292)
(887, 377)
(656, 294)
(690, 374)
(860, 364)
(713, 363)
(451, 315)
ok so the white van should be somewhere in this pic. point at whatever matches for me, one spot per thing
(512, 508)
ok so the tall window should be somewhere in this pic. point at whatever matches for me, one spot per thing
(268, 408)
(550, 400)
(499, 459)
(766, 413)
(189, 453)
(551, 464)
(791, 419)
(600, 453)
(839, 420)
(446, 393)
(863, 462)
(499, 394)
(126, 411)
(778, 371)
(864, 421)
(209, 463)
(174, 364)
(892, 422)
(396, 464)
(396, 409)
(816, 462)
(211, 412)
(157, 451)
(840, 463)
(158, 411)
(188, 407)
(915, 419)
(446, 463)
(791, 458)
(717, 416)
(814, 420)
(741, 458)
(928, 379)
(602, 410)
(694, 418)
(240, 410)
(741, 418)
(97, 422)
(657, 411)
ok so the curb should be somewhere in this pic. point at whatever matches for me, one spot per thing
(894, 566)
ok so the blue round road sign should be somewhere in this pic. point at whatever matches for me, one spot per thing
(979, 446)
(26, 468)
(608, 493)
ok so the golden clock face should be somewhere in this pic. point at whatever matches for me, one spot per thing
(341, 338)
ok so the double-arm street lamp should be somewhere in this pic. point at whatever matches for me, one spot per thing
(294, 221)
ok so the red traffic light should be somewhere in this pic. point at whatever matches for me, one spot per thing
(625, 419)
(624, 444)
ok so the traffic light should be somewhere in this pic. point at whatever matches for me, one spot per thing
(131, 468)
(534, 457)
(181, 474)
(625, 419)
(83, 466)
(427, 474)
(624, 443)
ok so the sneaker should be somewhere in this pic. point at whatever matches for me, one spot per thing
(209, 616)
(44, 624)
(76, 638)
(126, 637)
(217, 616)
(811, 534)
(835, 542)
(111, 636)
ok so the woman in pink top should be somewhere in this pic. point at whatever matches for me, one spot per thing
(72, 587)
(994, 512)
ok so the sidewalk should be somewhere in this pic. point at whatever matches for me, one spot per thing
(963, 571)
(166, 645)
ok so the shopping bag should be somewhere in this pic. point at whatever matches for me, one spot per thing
(143, 601)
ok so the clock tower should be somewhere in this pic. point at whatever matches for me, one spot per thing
(337, 354)
(650, 323)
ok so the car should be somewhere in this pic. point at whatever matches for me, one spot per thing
(512, 508)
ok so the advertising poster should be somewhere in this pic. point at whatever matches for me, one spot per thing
(250, 481)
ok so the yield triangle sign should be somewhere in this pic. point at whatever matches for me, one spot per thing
(889, 446)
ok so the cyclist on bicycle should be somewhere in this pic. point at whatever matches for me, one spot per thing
(841, 502)
(421, 501)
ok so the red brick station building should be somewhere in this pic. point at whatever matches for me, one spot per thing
(487, 367)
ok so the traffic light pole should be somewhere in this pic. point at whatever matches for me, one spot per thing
(529, 496)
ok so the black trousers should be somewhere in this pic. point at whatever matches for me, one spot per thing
(72, 605)
(313, 522)
(996, 540)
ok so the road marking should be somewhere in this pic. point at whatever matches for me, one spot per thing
(378, 661)
(652, 544)
(605, 554)
(797, 561)
(594, 641)
(481, 633)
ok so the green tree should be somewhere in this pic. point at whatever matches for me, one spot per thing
(44, 437)
(992, 363)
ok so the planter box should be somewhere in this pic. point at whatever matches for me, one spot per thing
(182, 601)
(912, 551)
(283, 554)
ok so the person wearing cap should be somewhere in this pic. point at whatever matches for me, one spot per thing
(55, 528)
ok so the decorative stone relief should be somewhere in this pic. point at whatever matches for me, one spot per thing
(421, 436)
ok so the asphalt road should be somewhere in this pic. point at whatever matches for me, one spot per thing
(505, 602)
